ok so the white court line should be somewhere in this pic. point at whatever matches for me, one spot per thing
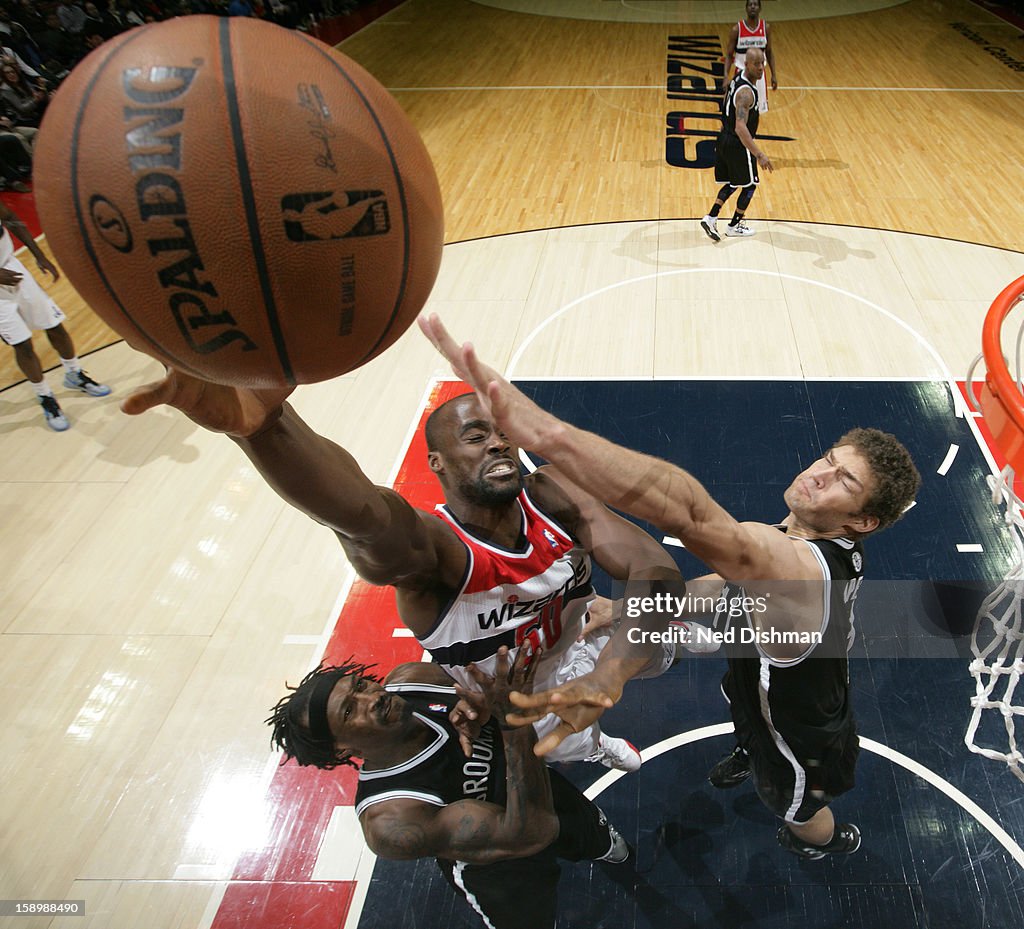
(216, 899)
(661, 87)
(969, 547)
(959, 404)
(947, 462)
(884, 751)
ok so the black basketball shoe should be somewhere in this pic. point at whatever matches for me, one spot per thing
(845, 840)
(733, 769)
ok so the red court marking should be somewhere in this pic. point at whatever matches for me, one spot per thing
(24, 205)
(335, 29)
(321, 905)
(272, 882)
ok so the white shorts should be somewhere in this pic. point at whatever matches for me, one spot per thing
(25, 307)
(579, 660)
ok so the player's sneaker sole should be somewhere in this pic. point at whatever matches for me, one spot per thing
(708, 225)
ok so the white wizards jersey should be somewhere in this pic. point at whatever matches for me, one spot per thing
(538, 592)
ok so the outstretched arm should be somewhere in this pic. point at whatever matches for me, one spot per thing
(385, 538)
(649, 488)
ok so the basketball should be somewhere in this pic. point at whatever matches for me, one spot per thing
(239, 200)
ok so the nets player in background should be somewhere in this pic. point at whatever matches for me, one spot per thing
(790, 700)
(752, 32)
(496, 823)
(737, 155)
(506, 561)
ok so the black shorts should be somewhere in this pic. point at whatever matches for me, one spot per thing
(795, 788)
(521, 893)
(734, 164)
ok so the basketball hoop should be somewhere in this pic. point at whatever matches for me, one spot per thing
(997, 642)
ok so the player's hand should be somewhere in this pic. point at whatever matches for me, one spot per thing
(48, 266)
(237, 411)
(519, 418)
(601, 614)
(578, 704)
(573, 719)
(471, 713)
(9, 278)
(764, 162)
(519, 678)
(775, 84)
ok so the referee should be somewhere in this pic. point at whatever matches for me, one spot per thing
(736, 155)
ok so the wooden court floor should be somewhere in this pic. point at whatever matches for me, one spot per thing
(156, 595)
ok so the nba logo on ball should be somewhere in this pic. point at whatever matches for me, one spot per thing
(239, 200)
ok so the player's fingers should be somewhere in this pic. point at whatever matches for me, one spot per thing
(572, 696)
(524, 718)
(528, 701)
(525, 670)
(148, 396)
(467, 745)
(435, 331)
(479, 676)
(483, 376)
(553, 739)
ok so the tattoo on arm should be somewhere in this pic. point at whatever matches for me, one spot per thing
(403, 840)
(472, 833)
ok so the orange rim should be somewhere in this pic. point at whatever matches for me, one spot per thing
(998, 379)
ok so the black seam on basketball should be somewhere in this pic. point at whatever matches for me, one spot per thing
(400, 298)
(245, 188)
(83, 229)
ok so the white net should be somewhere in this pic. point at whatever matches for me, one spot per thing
(998, 642)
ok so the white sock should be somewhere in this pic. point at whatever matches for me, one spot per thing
(42, 389)
(71, 365)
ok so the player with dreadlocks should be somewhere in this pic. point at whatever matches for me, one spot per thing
(496, 822)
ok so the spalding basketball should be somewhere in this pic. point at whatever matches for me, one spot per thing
(239, 200)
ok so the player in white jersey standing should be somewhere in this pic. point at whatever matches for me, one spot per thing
(24, 307)
(752, 32)
(504, 562)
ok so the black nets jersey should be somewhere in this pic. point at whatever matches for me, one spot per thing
(798, 707)
(729, 110)
(440, 773)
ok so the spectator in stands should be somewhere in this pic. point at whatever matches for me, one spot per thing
(15, 156)
(98, 21)
(71, 16)
(58, 48)
(24, 101)
(15, 37)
